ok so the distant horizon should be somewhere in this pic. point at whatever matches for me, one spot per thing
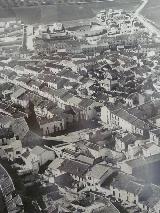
(64, 12)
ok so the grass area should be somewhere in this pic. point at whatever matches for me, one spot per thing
(65, 12)
(152, 10)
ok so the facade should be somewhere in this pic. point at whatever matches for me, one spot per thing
(43, 155)
(97, 175)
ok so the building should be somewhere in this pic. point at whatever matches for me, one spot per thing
(135, 99)
(52, 125)
(122, 142)
(76, 169)
(122, 118)
(44, 155)
(155, 136)
(54, 165)
(126, 188)
(97, 175)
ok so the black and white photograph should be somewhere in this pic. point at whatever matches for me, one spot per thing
(79, 106)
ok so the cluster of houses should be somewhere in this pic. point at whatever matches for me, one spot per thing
(90, 167)
(120, 22)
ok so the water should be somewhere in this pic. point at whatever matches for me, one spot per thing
(65, 12)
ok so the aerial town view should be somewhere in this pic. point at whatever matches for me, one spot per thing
(79, 106)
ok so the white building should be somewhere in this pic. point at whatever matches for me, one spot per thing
(43, 155)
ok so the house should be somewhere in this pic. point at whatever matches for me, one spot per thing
(5, 120)
(88, 108)
(74, 101)
(26, 163)
(111, 78)
(122, 143)
(155, 136)
(125, 119)
(76, 169)
(8, 74)
(86, 159)
(21, 70)
(59, 94)
(13, 148)
(17, 94)
(53, 167)
(31, 139)
(149, 199)
(11, 145)
(126, 188)
(35, 85)
(44, 155)
(6, 90)
(20, 127)
(23, 81)
(150, 149)
(97, 175)
(52, 125)
(135, 99)
(47, 92)
(54, 68)
(69, 153)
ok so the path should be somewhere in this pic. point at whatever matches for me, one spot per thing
(147, 23)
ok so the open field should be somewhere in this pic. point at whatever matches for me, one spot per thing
(152, 11)
(65, 12)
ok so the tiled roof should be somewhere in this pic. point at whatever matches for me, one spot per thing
(85, 159)
(18, 93)
(74, 167)
(98, 171)
(56, 163)
(86, 103)
(129, 139)
(128, 183)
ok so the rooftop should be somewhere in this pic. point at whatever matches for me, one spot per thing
(74, 167)
(99, 170)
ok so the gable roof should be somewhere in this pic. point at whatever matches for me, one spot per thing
(128, 183)
(56, 163)
(99, 170)
(74, 167)
(86, 103)
(20, 127)
(18, 93)
(38, 150)
(85, 159)
(129, 139)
